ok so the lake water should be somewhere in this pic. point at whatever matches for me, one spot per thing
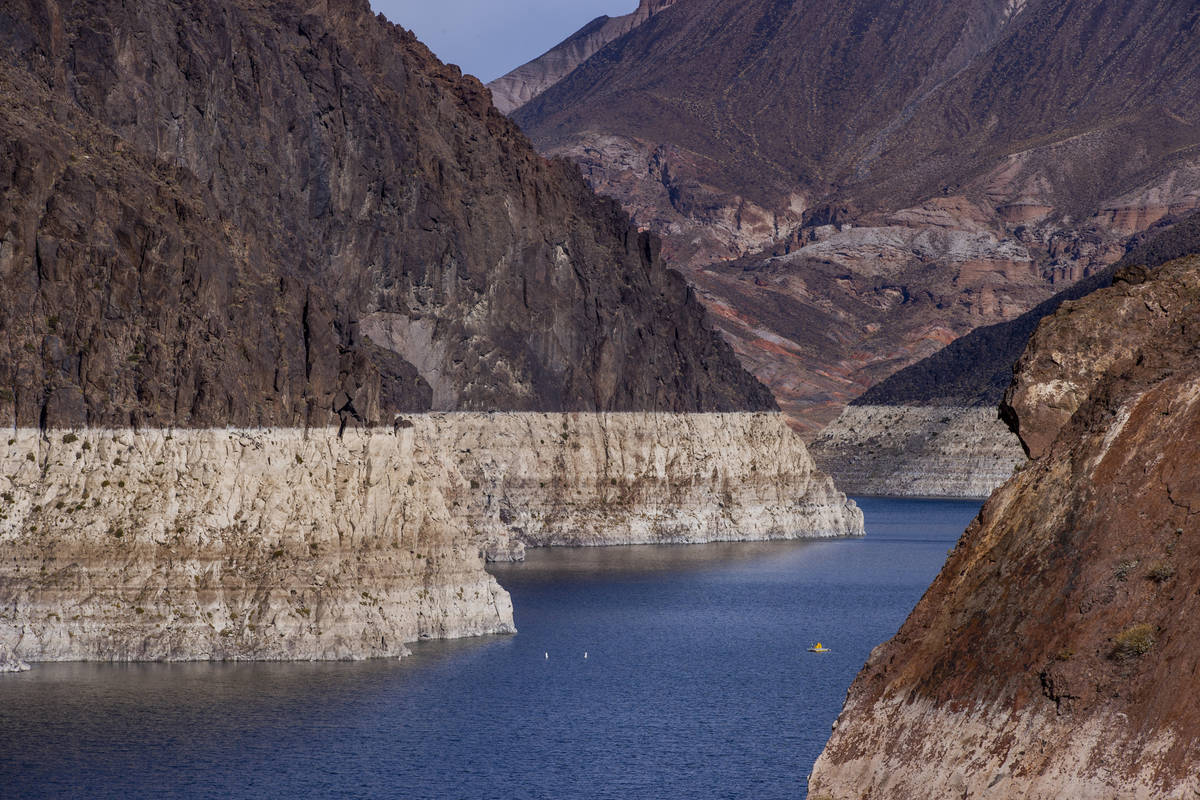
(696, 684)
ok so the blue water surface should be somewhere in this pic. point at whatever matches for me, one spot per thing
(697, 684)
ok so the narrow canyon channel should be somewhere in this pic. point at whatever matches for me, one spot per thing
(637, 672)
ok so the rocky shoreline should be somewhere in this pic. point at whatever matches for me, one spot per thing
(285, 544)
(1055, 655)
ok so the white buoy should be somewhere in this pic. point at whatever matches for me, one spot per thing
(585, 654)
(547, 656)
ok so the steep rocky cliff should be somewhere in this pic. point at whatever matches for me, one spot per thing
(523, 84)
(286, 544)
(933, 427)
(234, 544)
(254, 214)
(893, 174)
(1054, 655)
(244, 246)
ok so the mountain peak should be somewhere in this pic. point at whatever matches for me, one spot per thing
(523, 84)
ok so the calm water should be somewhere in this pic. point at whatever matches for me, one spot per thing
(696, 685)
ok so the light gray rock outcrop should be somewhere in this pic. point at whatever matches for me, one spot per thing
(282, 544)
(919, 451)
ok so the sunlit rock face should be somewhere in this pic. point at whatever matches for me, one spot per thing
(515, 89)
(245, 248)
(1054, 656)
(852, 185)
(292, 544)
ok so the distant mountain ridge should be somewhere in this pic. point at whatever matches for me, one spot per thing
(977, 369)
(852, 186)
(525, 83)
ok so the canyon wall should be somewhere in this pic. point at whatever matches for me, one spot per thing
(918, 451)
(243, 245)
(286, 544)
(852, 186)
(1054, 656)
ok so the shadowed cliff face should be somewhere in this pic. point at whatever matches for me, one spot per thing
(1055, 654)
(892, 175)
(261, 213)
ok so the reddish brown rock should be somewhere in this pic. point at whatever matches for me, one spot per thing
(1054, 656)
(744, 129)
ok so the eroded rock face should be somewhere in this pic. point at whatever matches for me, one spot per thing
(202, 205)
(752, 129)
(918, 451)
(282, 544)
(237, 240)
(526, 82)
(234, 544)
(1054, 656)
(600, 479)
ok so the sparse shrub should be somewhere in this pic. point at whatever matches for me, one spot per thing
(29, 457)
(8, 498)
(120, 484)
(474, 484)
(1133, 642)
(87, 446)
(105, 484)
(1160, 572)
(1066, 654)
(1124, 568)
(118, 533)
(299, 459)
(277, 554)
(59, 505)
(70, 438)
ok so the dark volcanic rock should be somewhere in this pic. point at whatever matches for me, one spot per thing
(277, 213)
(1055, 655)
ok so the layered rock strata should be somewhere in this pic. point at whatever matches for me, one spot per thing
(891, 175)
(918, 451)
(599, 479)
(899, 429)
(1054, 656)
(285, 544)
(237, 241)
(234, 544)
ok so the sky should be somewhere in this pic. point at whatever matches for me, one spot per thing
(487, 38)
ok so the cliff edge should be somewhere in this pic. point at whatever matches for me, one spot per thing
(251, 255)
(1054, 655)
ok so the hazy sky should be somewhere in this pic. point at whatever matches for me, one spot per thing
(487, 38)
